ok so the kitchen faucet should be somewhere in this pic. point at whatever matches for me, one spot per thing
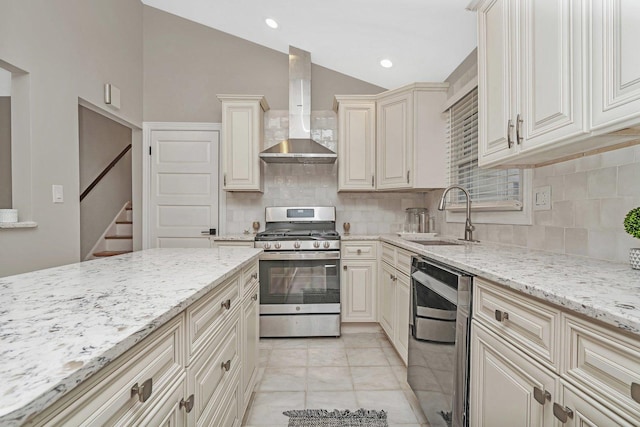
(468, 227)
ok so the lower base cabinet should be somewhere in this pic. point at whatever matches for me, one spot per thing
(199, 369)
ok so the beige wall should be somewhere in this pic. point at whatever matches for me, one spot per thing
(5, 152)
(70, 48)
(590, 197)
(101, 140)
(186, 66)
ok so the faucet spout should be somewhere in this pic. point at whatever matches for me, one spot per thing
(468, 227)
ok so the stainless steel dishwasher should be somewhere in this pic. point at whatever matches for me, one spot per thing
(439, 324)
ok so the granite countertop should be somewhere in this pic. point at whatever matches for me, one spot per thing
(61, 325)
(238, 237)
(603, 290)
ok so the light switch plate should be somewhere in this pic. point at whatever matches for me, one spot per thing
(58, 193)
(542, 198)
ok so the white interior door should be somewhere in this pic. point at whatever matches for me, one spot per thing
(183, 200)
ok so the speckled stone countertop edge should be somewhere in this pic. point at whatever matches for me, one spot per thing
(239, 237)
(17, 415)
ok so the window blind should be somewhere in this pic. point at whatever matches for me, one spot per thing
(490, 189)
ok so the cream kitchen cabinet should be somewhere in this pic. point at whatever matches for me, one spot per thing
(242, 141)
(394, 282)
(534, 364)
(410, 137)
(198, 369)
(530, 80)
(358, 281)
(356, 142)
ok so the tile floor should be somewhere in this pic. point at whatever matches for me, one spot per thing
(358, 370)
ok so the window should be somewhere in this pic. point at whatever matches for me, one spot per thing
(499, 193)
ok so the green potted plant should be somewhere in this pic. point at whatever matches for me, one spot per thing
(632, 226)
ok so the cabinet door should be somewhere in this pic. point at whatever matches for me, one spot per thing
(401, 339)
(497, 71)
(503, 383)
(242, 142)
(615, 63)
(551, 84)
(169, 413)
(395, 141)
(250, 338)
(358, 291)
(356, 146)
(588, 412)
(387, 298)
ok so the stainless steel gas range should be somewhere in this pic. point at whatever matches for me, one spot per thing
(299, 272)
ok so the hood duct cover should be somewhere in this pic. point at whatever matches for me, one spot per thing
(299, 148)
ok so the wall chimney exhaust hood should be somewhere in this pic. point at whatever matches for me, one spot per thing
(299, 148)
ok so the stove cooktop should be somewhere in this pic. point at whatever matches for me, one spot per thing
(287, 234)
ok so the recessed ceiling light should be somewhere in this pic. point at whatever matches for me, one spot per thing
(386, 63)
(271, 23)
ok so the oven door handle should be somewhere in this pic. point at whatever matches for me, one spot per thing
(285, 256)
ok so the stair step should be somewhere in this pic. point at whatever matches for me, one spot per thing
(109, 253)
(118, 237)
(124, 222)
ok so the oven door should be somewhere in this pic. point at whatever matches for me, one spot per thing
(299, 282)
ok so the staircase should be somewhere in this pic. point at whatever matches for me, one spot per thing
(119, 236)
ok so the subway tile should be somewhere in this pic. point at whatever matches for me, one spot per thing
(629, 180)
(602, 244)
(564, 168)
(563, 213)
(622, 156)
(557, 187)
(575, 186)
(520, 235)
(576, 241)
(613, 211)
(589, 163)
(602, 182)
(587, 213)
(554, 239)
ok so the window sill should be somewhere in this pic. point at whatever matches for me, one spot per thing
(23, 224)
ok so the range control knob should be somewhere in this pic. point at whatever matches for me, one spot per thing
(278, 245)
(326, 245)
(266, 245)
(296, 245)
(316, 244)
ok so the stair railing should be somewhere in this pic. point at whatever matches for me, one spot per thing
(104, 172)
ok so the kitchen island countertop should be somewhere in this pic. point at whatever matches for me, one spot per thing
(60, 325)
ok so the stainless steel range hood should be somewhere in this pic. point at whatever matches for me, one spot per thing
(299, 148)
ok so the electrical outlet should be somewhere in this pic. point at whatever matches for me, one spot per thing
(542, 198)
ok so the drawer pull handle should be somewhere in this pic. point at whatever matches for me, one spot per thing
(143, 391)
(187, 404)
(562, 413)
(255, 297)
(226, 365)
(359, 251)
(226, 304)
(344, 267)
(501, 316)
(254, 276)
(635, 392)
(541, 396)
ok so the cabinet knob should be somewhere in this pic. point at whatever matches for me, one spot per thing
(226, 304)
(255, 297)
(344, 267)
(187, 404)
(562, 413)
(143, 391)
(635, 392)
(254, 276)
(226, 365)
(501, 316)
(359, 251)
(541, 396)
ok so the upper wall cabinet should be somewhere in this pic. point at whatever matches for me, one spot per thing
(242, 140)
(394, 140)
(534, 92)
(411, 141)
(357, 142)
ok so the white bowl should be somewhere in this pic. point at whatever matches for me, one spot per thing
(8, 215)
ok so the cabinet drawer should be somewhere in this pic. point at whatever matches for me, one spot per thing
(602, 360)
(213, 372)
(109, 400)
(230, 413)
(358, 250)
(389, 254)
(250, 277)
(403, 261)
(531, 325)
(206, 316)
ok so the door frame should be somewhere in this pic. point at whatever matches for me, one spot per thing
(147, 129)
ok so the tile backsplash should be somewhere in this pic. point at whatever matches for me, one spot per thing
(590, 198)
(299, 184)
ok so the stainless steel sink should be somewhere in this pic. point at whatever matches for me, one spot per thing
(435, 242)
